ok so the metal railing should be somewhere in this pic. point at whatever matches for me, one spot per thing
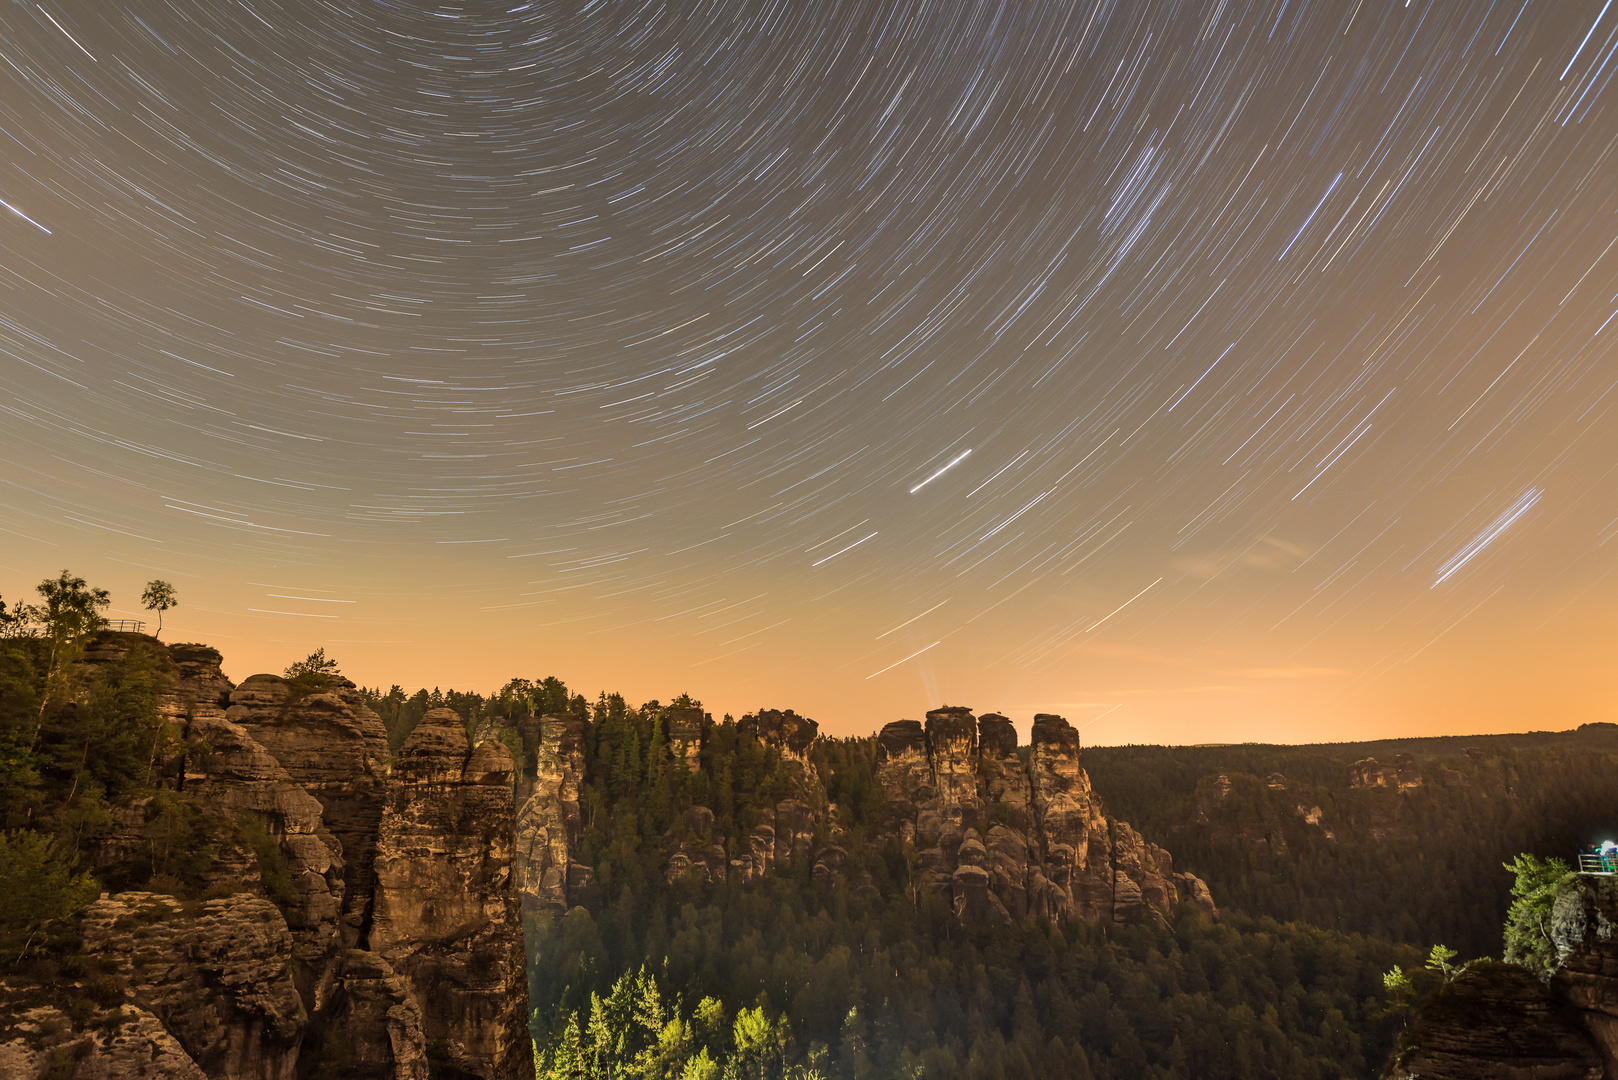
(1598, 864)
(122, 626)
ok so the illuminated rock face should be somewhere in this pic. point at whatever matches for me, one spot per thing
(549, 826)
(1502, 1020)
(446, 916)
(376, 907)
(216, 973)
(1002, 840)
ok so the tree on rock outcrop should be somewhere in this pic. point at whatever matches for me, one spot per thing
(40, 887)
(1527, 930)
(159, 597)
(314, 672)
(71, 612)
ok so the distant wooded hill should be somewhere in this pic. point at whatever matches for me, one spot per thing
(1401, 839)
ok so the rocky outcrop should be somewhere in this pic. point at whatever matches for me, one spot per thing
(695, 851)
(1002, 841)
(232, 774)
(446, 916)
(905, 773)
(216, 973)
(317, 950)
(1367, 773)
(686, 728)
(1403, 775)
(1584, 926)
(123, 1044)
(374, 1029)
(1493, 1021)
(333, 746)
(1500, 1020)
(789, 735)
(549, 827)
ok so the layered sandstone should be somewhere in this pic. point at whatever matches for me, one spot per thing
(216, 973)
(125, 1043)
(1494, 1021)
(549, 827)
(1003, 841)
(446, 915)
(334, 747)
(1584, 926)
(312, 829)
(375, 1022)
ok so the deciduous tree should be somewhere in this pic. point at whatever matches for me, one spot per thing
(159, 597)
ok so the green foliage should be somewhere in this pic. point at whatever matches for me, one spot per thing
(641, 1032)
(313, 673)
(1439, 960)
(40, 888)
(70, 613)
(1397, 985)
(272, 866)
(824, 982)
(1527, 924)
(71, 609)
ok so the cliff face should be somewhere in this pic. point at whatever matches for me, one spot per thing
(368, 917)
(548, 823)
(216, 973)
(999, 839)
(1584, 925)
(1494, 1020)
(1002, 841)
(1500, 1020)
(445, 914)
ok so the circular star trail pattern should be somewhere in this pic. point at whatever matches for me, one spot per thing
(1202, 368)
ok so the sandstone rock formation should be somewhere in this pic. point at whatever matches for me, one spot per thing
(123, 1045)
(446, 916)
(335, 748)
(1403, 775)
(216, 973)
(1367, 772)
(373, 914)
(376, 1022)
(685, 729)
(1493, 1020)
(370, 908)
(548, 823)
(1499, 1020)
(1001, 841)
(789, 734)
(1584, 925)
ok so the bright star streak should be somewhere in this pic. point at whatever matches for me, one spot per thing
(1525, 502)
(958, 459)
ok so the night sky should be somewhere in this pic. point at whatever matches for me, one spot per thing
(1201, 372)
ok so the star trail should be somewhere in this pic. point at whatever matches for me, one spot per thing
(1207, 371)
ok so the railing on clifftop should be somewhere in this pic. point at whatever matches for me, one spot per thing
(1604, 863)
(126, 626)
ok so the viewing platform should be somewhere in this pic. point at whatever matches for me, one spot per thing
(1605, 862)
(120, 626)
